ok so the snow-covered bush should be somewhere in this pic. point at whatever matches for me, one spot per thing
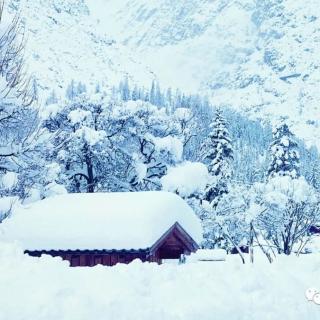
(228, 224)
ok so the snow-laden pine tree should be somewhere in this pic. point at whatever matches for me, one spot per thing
(71, 92)
(285, 156)
(124, 89)
(135, 93)
(291, 205)
(217, 153)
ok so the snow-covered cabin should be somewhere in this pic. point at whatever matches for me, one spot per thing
(106, 228)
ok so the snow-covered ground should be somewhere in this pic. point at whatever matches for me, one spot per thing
(46, 288)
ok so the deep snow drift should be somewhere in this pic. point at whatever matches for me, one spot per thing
(47, 289)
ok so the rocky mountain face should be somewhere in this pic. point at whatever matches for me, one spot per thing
(259, 56)
(64, 44)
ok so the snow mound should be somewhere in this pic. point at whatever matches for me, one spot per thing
(208, 255)
(171, 144)
(186, 179)
(100, 221)
(9, 180)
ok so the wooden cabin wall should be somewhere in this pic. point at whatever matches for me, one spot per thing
(172, 248)
(93, 259)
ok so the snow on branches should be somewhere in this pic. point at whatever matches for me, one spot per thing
(284, 153)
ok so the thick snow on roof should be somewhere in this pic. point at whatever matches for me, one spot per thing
(100, 221)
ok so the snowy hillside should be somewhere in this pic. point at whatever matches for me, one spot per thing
(186, 42)
(63, 43)
(257, 56)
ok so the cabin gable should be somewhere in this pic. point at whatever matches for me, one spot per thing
(174, 243)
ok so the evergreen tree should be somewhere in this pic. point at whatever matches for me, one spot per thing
(284, 153)
(135, 94)
(153, 93)
(97, 88)
(146, 96)
(71, 92)
(124, 89)
(169, 100)
(217, 153)
(35, 90)
(52, 99)
(81, 88)
(313, 163)
(159, 99)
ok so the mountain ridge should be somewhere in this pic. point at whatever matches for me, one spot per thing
(259, 57)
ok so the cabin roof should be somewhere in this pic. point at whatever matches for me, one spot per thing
(97, 221)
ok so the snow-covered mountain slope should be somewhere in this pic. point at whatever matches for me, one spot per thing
(186, 42)
(63, 43)
(257, 56)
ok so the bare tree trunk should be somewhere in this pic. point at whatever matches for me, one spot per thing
(251, 243)
(302, 246)
(90, 173)
(236, 246)
(261, 247)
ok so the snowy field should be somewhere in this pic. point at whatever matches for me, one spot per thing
(46, 288)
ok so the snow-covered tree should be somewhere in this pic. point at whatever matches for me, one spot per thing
(250, 139)
(71, 92)
(20, 164)
(152, 140)
(153, 93)
(310, 166)
(81, 142)
(52, 98)
(227, 225)
(135, 93)
(109, 145)
(159, 96)
(289, 208)
(81, 88)
(217, 153)
(186, 124)
(284, 153)
(124, 89)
